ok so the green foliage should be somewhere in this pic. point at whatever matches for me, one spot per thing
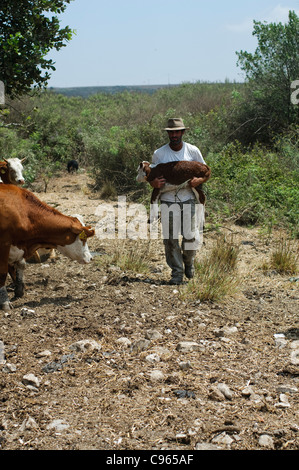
(111, 134)
(27, 34)
(270, 71)
(254, 186)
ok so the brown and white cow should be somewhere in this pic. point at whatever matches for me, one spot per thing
(27, 224)
(11, 171)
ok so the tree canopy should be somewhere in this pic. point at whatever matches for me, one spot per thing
(270, 72)
(29, 29)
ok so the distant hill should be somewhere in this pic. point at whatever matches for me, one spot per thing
(85, 92)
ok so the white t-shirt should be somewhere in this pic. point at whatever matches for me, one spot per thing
(164, 155)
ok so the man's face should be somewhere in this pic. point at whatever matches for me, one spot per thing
(175, 136)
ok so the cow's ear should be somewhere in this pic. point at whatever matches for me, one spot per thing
(86, 233)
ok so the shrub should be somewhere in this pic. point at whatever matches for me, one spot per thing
(215, 276)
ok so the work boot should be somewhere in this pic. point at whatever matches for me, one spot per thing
(189, 271)
(175, 281)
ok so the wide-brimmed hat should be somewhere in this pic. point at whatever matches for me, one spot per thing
(175, 124)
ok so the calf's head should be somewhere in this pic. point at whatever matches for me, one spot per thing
(14, 171)
(143, 171)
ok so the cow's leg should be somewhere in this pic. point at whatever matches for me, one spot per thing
(200, 195)
(4, 300)
(4, 253)
(154, 209)
(17, 274)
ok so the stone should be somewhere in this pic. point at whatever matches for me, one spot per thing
(152, 358)
(45, 353)
(225, 390)
(31, 381)
(188, 346)
(206, 446)
(215, 394)
(247, 391)
(140, 345)
(10, 368)
(2, 355)
(223, 439)
(58, 425)
(185, 365)
(286, 389)
(266, 441)
(85, 345)
(295, 357)
(225, 331)
(153, 335)
(157, 376)
(124, 341)
(28, 424)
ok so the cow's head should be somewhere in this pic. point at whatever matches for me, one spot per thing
(143, 172)
(15, 171)
(78, 250)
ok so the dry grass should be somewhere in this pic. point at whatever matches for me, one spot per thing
(129, 255)
(215, 277)
(284, 257)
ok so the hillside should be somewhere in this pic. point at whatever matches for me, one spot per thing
(85, 92)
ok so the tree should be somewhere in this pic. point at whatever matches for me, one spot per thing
(270, 72)
(27, 33)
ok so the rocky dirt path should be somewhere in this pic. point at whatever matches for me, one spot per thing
(99, 358)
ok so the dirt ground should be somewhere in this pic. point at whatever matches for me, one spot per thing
(134, 386)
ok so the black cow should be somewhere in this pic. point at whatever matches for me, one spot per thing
(72, 166)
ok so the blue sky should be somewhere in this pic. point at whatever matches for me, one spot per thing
(153, 42)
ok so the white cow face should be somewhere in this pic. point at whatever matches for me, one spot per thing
(78, 250)
(15, 168)
(141, 174)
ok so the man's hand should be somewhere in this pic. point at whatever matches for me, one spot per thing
(158, 182)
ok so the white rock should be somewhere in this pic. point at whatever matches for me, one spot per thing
(2, 355)
(58, 425)
(266, 441)
(206, 446)
(295, 357)
(225, 390)
(225, 331)
(223, 439)
(9, 368)
(152, 358)
(28, 423)
(247, 391)
(85, 345)
(153, 335)
(45, 353)
(140, 345)
(286, 389)
(31, 380)
(188, 346)
(185, 365)
(157, 375)
(124, 341)
(27, 312)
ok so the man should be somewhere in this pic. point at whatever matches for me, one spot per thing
(180, 213)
